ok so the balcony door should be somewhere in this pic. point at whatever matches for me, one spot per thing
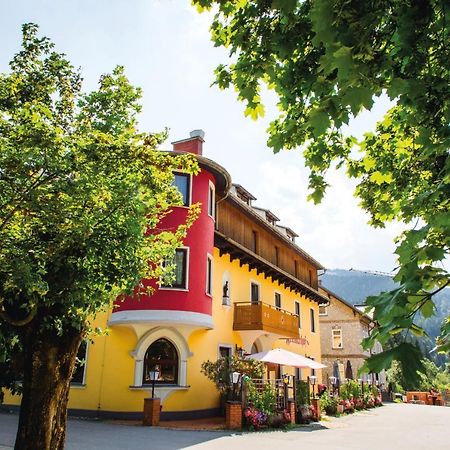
(254, 293)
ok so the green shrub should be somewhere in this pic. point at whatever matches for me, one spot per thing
(219, 371)
(264, 400)
(302, 393)
(328, 403)
(350, 389)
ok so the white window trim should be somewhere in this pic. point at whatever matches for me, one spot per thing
(186, 288)
(274, 299)
(83, 381)
(341, 340)
(144, 343)
(224, 346)
(326, 310)
(212, 187)
(179, 172)
(209, 258)
(259, 290)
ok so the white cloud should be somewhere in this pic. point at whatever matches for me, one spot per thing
(336, 231)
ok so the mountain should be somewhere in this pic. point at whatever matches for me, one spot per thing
(355, 286)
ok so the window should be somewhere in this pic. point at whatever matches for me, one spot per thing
(211, 200)
(183, 183)
(162, 356)
(323, 310)
(254, 294)
(209, 275)
(277, 256)
(254, 247)
(79, 374)
(336, 338)
(224, 351)
(313, 322)
(180, 269)
(297, 311)
(277, 300)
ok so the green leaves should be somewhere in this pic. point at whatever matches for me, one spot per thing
(319, 121)
(80, 189)
(408, 355)
(380, 178)
(327, 61)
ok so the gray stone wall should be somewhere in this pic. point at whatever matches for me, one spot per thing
(354, 327)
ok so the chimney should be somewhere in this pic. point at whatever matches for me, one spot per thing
(193, 144)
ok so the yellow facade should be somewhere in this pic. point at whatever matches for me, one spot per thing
(110, 366)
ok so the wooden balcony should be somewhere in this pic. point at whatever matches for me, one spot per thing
(261, 316)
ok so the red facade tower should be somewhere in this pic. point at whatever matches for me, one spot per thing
(189, 300)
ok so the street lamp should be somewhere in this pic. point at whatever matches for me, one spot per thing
(234, 379)
(312, 380)
(154, 376)
(333, 383)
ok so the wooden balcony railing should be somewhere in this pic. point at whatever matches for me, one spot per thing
(261, 316)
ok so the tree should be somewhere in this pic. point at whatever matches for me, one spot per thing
(328, 61)
(81, 196)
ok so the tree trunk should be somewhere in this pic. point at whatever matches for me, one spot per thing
(49, 364)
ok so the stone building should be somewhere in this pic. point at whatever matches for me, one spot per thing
(342, 328)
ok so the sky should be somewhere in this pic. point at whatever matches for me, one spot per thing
(165, 48)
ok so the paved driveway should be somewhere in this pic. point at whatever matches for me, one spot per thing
(395, 426)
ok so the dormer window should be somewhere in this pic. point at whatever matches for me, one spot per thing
(243, 195)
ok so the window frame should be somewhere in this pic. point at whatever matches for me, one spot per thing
(297, 303)
(255, 242)
(86, 353)
(312, 320)
(325, 308)
(212, 200)
(277, 296)
(186, 251)
(209, 275)
(177, 368)
(188, 177)
(229, 349)
(254, 283)
(333, 335)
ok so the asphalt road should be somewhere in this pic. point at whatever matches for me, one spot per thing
(394, 426)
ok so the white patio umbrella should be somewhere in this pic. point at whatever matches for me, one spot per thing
(286, 358)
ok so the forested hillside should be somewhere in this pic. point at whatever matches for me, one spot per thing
(355, 286)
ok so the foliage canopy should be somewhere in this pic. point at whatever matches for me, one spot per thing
(328, 61)
(80, 188)
(219, 371)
